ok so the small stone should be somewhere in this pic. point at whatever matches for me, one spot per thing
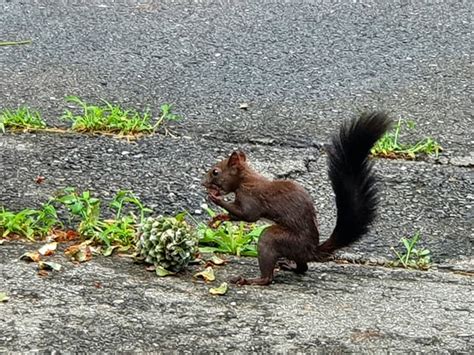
(466, 161)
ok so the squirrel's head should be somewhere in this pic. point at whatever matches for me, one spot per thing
(225, 176)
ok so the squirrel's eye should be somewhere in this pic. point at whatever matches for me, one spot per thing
(215, 172)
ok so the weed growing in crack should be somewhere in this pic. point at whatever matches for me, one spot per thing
(87, 209)
(113, 119)
(389, 145)
(412, 257)
(29, 223)
(108, 118)
(21, 118)
(84, 209)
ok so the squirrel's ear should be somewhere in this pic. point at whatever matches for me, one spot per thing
(242, 156)
(236, 158)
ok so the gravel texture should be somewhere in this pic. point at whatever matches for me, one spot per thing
(300, 69)
(113, 304)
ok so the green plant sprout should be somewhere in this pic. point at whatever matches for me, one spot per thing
(87, 209)
(113, 119)
(238, 239)
(412, 257)
(21, 118)
(29, 223)
(389, 145)
(107, 118)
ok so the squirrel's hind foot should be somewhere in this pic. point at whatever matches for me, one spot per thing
(260, 281)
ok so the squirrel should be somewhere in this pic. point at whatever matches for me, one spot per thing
(294, 236)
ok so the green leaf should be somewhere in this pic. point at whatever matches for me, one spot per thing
(180, 216)
(221, 290)
(109, 250)
(161, 271)
(3, 297)
(207, 274)
(406, 243)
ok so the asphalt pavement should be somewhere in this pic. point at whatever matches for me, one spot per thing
(300, 69)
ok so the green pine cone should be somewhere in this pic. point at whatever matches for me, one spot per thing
(167, 242)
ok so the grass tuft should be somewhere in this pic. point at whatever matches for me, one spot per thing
(86, 209)
(83, 209)
(114, 119)
(21, 118)
(29, 223)
(389, 145)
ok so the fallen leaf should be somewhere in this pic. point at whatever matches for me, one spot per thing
(124, 248)
(217, 261)
(43, 273)
(64, 236)
(150, 268)
(161, 271)
(79, 252)
(126, 256)
(109, 250)
(3, 297)
(39, 179)
(97, 284)
(221, 290)
(47, 265)
(207, 274)
(48, 249)
(196, 260)
(137, 258)
(31, 256)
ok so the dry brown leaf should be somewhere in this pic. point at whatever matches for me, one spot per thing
(61, 236)
(79, 252)
(48, 249)
(31, 256)
(39, 179)
(47, 265)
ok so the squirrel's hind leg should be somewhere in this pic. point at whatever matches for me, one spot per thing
(271, 247)
(298, 267)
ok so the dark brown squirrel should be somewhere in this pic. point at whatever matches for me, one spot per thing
(294, 236)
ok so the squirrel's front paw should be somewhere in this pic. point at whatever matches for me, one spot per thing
(214, 222)
(214, 198)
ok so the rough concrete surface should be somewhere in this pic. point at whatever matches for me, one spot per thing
(301, 68)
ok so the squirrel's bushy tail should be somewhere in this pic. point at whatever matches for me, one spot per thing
(352, 179)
